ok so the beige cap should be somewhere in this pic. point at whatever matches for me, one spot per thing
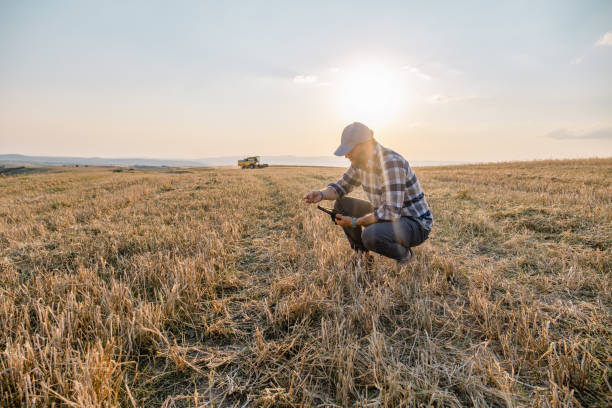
(352, 135)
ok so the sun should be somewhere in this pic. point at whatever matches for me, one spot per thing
(369, 92)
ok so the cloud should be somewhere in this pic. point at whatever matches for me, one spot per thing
(562, 134)
(439, 98)
(576, 61)
(444, 99)
(419, 74)
(334, 70)
(305, 79)
(605, 40)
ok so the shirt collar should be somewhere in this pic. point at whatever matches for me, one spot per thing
(374, 163)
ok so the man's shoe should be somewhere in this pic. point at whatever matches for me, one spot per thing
(406, 260)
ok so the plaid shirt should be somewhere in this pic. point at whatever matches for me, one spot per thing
(391, 186)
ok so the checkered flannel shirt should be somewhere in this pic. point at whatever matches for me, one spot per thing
(391, 186)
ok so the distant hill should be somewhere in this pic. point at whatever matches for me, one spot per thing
(22, 160)
(327, 161)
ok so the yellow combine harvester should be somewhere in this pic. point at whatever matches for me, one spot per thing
(251, 163)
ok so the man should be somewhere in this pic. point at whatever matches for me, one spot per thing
(396, 217)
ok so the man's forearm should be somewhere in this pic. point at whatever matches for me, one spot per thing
(367, 219)
(329, 194)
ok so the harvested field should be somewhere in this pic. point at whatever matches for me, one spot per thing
(219, 287)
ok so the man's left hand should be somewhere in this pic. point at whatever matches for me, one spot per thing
(344, 220)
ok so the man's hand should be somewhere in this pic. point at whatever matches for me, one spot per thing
(313, 197)
(344, 220)
(317, 195)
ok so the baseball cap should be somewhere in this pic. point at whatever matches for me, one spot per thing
(352, 135)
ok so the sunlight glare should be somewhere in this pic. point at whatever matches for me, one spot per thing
(370, 93)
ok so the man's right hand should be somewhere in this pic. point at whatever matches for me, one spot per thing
(313, 197)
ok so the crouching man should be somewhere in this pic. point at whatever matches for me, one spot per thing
(396, 217)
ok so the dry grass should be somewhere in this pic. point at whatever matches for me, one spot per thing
(218, 287)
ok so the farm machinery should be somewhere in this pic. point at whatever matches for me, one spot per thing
(253, 162)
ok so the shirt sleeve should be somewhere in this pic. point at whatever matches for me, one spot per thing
(393, 188)
(347, 182)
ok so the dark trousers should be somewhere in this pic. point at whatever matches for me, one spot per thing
(389, 238)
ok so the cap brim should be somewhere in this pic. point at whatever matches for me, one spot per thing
(342, 150)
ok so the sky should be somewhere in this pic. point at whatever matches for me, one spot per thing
(456, 81)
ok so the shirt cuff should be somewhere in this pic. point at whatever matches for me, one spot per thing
(338, 188)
